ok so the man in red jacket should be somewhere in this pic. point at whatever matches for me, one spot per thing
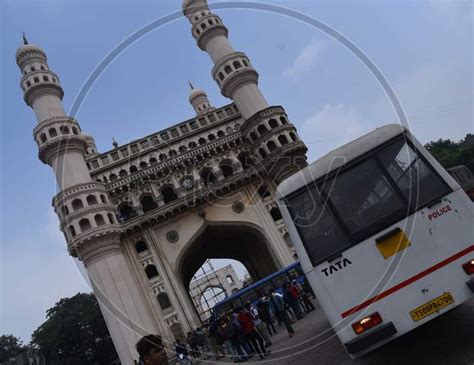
(246, 323)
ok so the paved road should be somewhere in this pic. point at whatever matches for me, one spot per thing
(448, 339)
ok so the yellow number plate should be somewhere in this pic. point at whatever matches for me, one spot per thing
(431, 307)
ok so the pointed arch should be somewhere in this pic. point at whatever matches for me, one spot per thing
(141, 246)
(151, 272)
(169, 194)
(99, 220)
(283, 140)
(77, 204)
(227, 168)
(262, 129)
(276, 214)
(273, 123)
(91, 200)
(163, 300)
(148, 203)
(207, 176)
(125, 211)
(271, 146)
(84, 224)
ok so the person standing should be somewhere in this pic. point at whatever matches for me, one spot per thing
(260, 326)
(304, 299)
(228, 334)
(211, 335)
(290, 295)
(280, 306)
(246, 322)
(265, 315)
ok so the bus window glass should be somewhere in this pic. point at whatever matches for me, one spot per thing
(364, 199)
(411, 174)
(321, 234)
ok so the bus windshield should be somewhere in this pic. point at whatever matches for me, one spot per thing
(348, 206)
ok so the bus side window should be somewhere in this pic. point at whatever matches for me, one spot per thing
(412, 175)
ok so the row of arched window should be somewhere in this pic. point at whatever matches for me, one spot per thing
(263, 128)
(85, 223)
(147, 203)
(272, 146)
(36, 80)
(53, 132)
(33, 68)
(162, 157)
(232, 66)
(207, 23)
(151, 273)
(203, 107)
(78, 203)
(168, 193)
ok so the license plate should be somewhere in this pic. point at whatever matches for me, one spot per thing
(431, 307)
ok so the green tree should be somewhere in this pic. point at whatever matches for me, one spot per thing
(75, 328)
(10, 346)
(450, 154)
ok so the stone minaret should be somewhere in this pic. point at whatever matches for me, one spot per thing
(87, 216)
(199, 101)
(273, 138)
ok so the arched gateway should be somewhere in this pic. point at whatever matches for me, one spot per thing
(239, 240)
(144, 216)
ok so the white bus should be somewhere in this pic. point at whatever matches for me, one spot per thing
(384, 235)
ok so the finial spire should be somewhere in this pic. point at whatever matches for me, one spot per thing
(114, 142)
(190, 85)
(25, 41)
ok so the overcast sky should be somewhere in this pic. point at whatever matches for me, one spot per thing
(424, 49)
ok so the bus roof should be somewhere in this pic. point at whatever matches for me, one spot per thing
(333, 160)
(257, 284)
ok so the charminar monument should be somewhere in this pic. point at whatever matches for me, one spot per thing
(143, 217)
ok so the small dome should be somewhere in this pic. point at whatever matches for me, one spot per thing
(29, 48)
(195, 93)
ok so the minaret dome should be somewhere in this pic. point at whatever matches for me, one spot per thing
(199, 100)
(192, 6)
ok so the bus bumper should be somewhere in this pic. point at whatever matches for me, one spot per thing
(371, 337)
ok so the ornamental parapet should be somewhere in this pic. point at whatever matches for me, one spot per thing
(56, 134)
(208, 27)
(274, 132)
(172, 137)
(233, 70)
(187, 158)
(285, 161)
(96, 245)
(263, 114)
(35, 90)
(193, 200)
(30, 55)
(85, 212)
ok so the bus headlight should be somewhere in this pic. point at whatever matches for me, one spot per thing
(366, 323)
(469, 267)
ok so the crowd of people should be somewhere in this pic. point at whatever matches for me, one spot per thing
(247, 330)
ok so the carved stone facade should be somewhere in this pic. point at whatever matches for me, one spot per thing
(213, 284)
(143, 217)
